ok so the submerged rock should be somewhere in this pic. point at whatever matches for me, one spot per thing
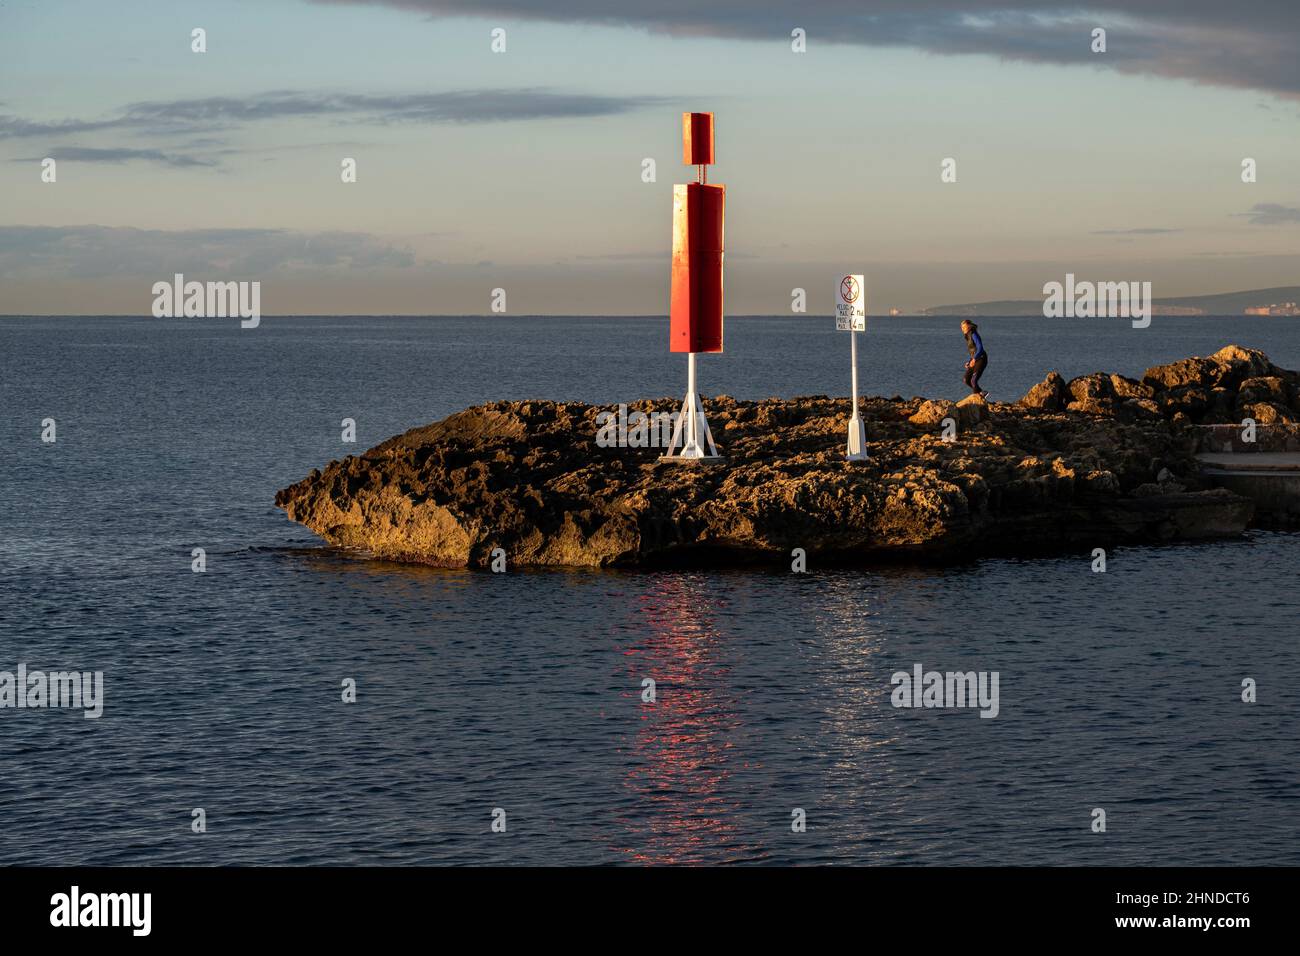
(531, 479)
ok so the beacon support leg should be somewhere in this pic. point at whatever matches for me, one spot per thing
(692, 428)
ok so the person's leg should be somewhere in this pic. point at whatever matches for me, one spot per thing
(970, 370)
(974, 379)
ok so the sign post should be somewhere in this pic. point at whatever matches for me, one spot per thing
(851, 317)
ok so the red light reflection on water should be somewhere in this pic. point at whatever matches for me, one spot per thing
(682, 754)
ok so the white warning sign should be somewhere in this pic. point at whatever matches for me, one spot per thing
(850, 304)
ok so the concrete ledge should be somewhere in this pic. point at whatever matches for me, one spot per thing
(1269, 439)
(1270, 479)
(1284, 463)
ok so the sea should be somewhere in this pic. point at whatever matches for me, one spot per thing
(1146, 715)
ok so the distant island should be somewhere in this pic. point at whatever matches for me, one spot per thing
(1283, 301)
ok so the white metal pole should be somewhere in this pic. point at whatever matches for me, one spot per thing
(853, 338)
(856, 447)
(692, 436)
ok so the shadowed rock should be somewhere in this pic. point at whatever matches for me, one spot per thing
(1232, 384)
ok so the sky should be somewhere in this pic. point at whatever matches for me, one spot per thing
(524, 170)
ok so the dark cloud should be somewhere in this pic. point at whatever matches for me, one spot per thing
(1247, 43)
(87, 154)
(13, 127)
(87, 252)
(222, 112)
(1271, 214)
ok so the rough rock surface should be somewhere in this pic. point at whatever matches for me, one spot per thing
(529, 477)
(1232, 384)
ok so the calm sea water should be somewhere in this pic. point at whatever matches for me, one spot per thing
(523, 691)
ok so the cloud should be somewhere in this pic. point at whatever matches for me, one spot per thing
(1250, 44)
(87, 252)
(645, 256)
(1271, 214)
(622, 256)
(1133, 232)
(87, 154)
(209, 114)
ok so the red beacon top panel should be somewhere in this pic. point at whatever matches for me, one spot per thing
(697, 139)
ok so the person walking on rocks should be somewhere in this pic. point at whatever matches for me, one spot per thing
(979, 359)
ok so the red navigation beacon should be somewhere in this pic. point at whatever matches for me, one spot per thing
(695, 323)
(698, 209)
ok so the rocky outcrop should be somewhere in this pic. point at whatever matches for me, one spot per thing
(972, 410)
(531, 479)
(1232, 384)
(932, 413)
(969, 411)
(1049, 394)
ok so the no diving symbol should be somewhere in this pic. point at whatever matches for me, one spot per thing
(849, 289)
